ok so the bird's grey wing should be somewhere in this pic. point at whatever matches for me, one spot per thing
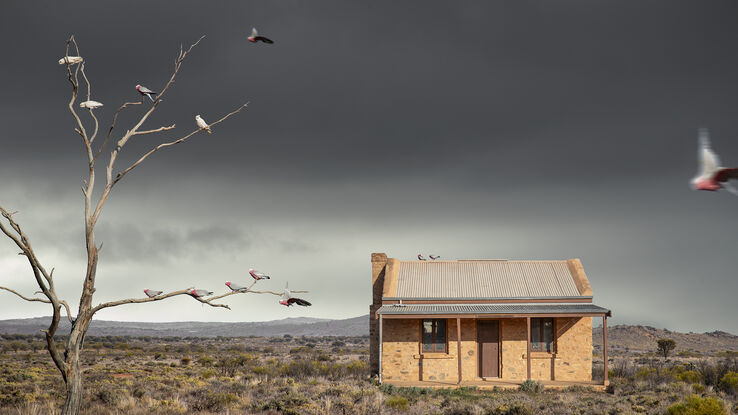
(254, 33)
(709, 161)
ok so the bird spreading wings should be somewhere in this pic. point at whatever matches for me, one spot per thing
(145, 92)
(90, 104)
(288, 299)
(711, 176)
(256, 38)
(434, 257)
(152, 293)
(258, 275)
(202, 124)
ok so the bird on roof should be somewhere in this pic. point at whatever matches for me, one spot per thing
(235, 287)
(199, 293)
(434, 257)
(70, 60)
(202, 124)
(90, 104)
(420, 257)
(145, 92)
(258, 275)
(255, 37)
(288, 299)
(152, 293)
(712, 177)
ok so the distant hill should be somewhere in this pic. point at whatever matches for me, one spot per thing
(301, 326)
(643, 339)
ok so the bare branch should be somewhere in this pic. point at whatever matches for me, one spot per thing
(171, 143)
(171, 127)
(40, 300)
(186, 291)
(276, 293)
(112, 125)
(245, 290)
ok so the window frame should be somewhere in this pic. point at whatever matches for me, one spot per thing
(433, 336)
(539, 347)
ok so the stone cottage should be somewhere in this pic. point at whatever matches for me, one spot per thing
(482, 322)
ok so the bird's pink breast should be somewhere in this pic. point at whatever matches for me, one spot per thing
(709, 185)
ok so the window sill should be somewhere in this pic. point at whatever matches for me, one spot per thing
(540, 355)
(433, 356)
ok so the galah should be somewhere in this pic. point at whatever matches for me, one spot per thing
(70, 60)
(712, 176)
(202, 124)
(288, 299)
(199, 293)
(420, 257)
(235, 287)
(258, 275)
(152, 293)
(255, 37)
(434, 257)
(90, 104)
(145, 91)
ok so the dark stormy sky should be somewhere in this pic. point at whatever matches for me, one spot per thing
(476, 129)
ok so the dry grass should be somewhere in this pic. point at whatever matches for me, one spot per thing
(315, 376)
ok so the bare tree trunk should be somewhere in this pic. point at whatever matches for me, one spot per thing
(73, 403)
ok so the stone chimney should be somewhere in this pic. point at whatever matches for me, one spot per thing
(379, 263)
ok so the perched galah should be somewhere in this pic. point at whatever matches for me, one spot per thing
(712, 176)
(420, 257)
(235, 287)
(288, 299)
(70, 60)
(255, 37)
(152, 293)
(199, 293)
(258, 275)
(90, 104)
(146, 92)
(202, 124)
(434, 257)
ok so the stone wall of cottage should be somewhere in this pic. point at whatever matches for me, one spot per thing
(403, 361)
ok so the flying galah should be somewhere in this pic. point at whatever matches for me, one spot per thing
(288, 299)
(145, 91)
(90, 104)
(235, 287)
(202, 124)
(712, 176)
(258, 275)
(152, 293)
(70, 60)
(255, 37)
(420, 257)
(434, 257)
(199, 293)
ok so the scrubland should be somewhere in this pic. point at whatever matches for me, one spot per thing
(330, 375)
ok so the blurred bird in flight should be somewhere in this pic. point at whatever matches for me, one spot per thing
(712, 176)
(256, 38)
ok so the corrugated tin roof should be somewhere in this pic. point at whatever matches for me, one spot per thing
(492, 309)
(485, 279)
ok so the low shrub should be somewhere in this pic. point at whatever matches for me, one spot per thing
(729, 383)
(398, 402)
(532, 386)
(695, 405)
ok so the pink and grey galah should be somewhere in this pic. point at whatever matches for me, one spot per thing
(288, 299)
(145, 92)
(434, 257)
(712, 177)
(256, 38)
(258, 275)
(235, 287)
(152, 293)
(199, 293)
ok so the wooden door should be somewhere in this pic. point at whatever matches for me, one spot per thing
(488, 336)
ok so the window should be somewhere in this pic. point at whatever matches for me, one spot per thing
(541, 334)
(434, 336)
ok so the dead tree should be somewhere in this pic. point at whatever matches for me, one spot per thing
(68, 363)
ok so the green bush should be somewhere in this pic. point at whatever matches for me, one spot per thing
(398, 402)
(531, 386)
(698, 406)
(729, 383)
(514, 409)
